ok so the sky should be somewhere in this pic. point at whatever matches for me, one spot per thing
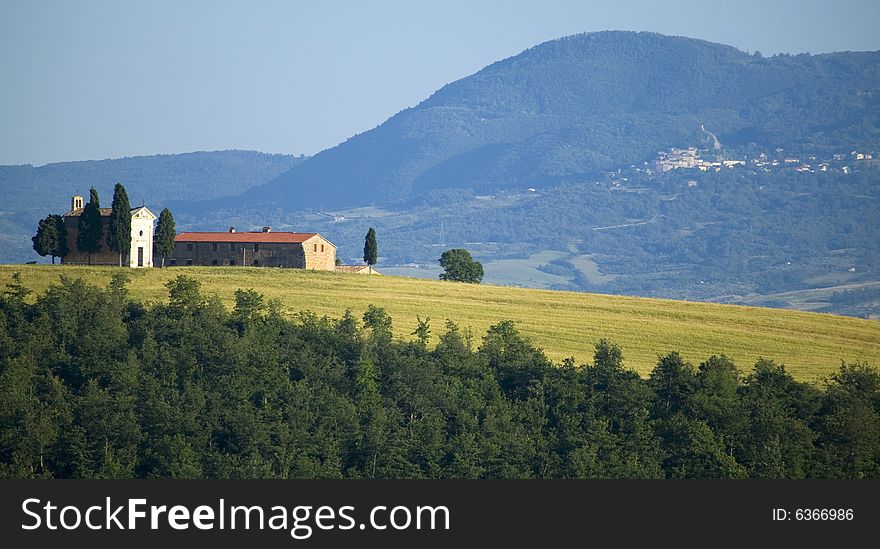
(89, 80)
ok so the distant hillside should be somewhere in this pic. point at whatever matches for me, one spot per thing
(543, 166)
(30, 193)
(591, 102)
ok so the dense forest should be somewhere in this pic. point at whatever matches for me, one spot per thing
(96, 385)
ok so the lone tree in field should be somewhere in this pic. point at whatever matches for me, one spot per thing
(458, 265)
(51, 237)
(163, 238)
(371, 250)
(119, 232)
(91, 232)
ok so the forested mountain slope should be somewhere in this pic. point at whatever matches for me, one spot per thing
(592, 102)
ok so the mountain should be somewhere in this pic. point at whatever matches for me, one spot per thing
(555, 169)
(586, 103)
(31, 193)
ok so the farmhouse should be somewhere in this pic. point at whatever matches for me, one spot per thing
(140, 253)
(259, 249)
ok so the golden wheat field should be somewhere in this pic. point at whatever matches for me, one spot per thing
(563, 324)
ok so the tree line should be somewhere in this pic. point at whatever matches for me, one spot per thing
(51, 238)
(96, 385)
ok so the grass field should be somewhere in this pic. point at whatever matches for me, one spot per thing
(562, 323)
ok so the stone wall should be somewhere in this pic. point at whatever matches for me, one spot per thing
(320, 254)
(238, 253)
(316, 253)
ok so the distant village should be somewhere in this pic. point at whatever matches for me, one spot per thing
(675, 159)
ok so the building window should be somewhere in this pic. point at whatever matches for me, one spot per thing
(256, 263)
(316, 247)
(256, 247)
(141, 233)
(189, 247)
(232, 262)
(189, 262)
(214, 247)
(322, 247)
(214, 262)
(232, 246)
(172, 262)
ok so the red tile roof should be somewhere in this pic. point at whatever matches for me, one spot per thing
(250, 237)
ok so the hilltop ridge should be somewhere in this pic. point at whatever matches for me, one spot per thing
(586, 103)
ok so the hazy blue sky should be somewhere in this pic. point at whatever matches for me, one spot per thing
(94, 79)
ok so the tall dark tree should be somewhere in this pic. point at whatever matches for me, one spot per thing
(61, 228)
(459, 266)
(620, 428)
(371, 250)
(778, 442)
(119, 231)
(715, 400)
(91, 232)
(51, 237)
(848, 444)
(163, 238)
(46, 238)
(673, 383)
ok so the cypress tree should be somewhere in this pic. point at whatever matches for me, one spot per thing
(119, 231)
(371, 250)
(46, 239)
(163, 238)
(61, 228)
(90, 234)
